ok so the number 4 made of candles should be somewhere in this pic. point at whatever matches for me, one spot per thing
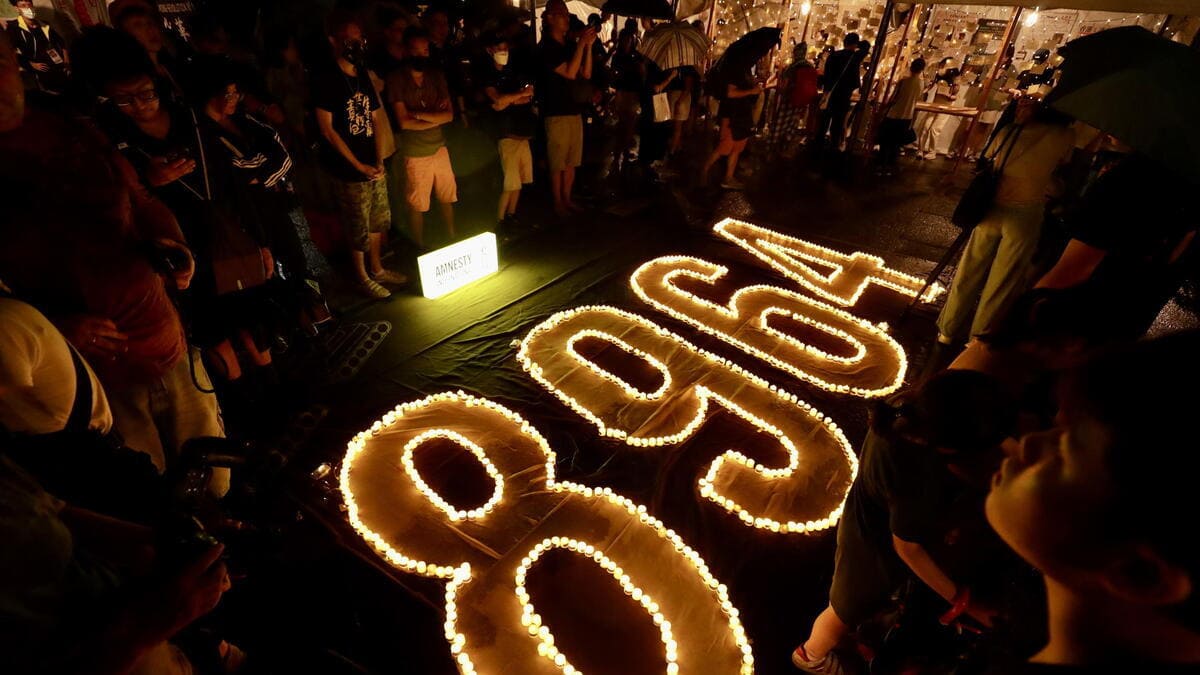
(487, 553)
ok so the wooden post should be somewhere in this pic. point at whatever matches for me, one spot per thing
(1010, 34)
(712, 22)
(807, 18)
(533, 19)
(865, 90)
(887, 89)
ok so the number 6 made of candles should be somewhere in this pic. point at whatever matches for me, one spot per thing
(487, 553)
(803, 493)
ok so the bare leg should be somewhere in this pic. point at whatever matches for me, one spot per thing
(827, 631)
(502, 207)
(447, 209)
(359, 259)
(677, 136)
(226, 361)
(731, 164)
(416, 224)
(513, 198)
(556, 183)
(376, 253)
(262, 358)
(568, 186)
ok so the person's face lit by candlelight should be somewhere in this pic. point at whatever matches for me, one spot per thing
(136, 98)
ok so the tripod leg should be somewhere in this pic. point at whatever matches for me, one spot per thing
(951, 254)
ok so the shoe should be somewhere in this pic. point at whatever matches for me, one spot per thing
(826, 665)
(390, 277)
(734, 184)
(372, 289)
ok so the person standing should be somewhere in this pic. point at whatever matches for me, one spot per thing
(629, 79)
(736, 117)
(564, 65)
(897, 128)
(420, 99)
(998, 258)
(85, 262)
(348, 114)
(839, 81)
(933, 125)
(41, 51)
(511, 98)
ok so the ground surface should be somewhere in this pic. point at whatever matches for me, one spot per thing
(464, 341)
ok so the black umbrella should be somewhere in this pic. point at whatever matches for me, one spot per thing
(1139, 87)
(649, 9)
(740, 57)
(751, 47)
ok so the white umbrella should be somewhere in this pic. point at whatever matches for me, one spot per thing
(672, 45)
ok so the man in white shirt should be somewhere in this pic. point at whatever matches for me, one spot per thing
(38, 377)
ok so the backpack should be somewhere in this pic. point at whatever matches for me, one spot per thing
(804, 87)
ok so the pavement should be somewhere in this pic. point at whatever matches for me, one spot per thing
(385, 621)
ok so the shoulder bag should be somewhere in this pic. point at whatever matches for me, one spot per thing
(980, 194)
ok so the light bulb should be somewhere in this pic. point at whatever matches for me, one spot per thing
(1032, 17)
(805, 7)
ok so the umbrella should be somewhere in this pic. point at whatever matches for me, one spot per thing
(649, 9)
(751, 47)
(1139, 87)
(672, 45)
(741, 56)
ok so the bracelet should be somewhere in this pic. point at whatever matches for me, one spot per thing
(958, 605)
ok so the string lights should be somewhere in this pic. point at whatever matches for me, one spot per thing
(844, 285)
(875, 368)
(492, 625)
(777, 498)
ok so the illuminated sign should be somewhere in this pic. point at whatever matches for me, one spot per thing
(457, 265)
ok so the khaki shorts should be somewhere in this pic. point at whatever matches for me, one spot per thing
(517, 162)
(363, 207)
(432, 174)
(564, 141)
(681, 105)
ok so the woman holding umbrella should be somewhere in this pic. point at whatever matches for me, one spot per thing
(733, 76)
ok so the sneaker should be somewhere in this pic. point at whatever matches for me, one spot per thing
(372, 289)
(826, 665)
(390, 277)
(734, 184)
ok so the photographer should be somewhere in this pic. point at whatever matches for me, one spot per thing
(925, 463)
(81, 592)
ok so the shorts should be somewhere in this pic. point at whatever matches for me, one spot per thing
(727, 143)
(564, 141)
(363, 208)
(432, 174)
(681, 105)
(865, 575)
(517, 162)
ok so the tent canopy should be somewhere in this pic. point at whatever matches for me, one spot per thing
(1143, 6)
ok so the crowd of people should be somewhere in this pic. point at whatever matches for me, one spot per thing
(158, 187)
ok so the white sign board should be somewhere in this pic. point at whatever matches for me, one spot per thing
(458, 264)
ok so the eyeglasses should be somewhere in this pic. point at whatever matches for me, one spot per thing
(127, 100)
(234, 96)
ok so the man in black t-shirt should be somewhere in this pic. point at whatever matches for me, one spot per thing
(839, 81)
(564, 64)
(511, 98)
(1130, 234)
(348, 114)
